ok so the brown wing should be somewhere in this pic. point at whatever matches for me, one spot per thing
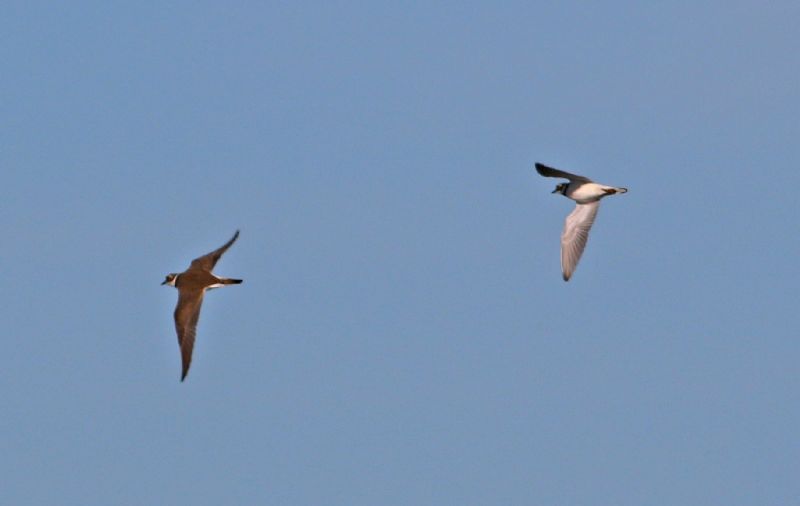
(207, 262)
(187, 312)
(551, 172)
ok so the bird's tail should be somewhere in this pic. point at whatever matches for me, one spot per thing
(229, 281)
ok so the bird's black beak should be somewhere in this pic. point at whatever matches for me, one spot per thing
(164, 282)
(556, 190)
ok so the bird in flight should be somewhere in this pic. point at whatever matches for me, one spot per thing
(192, 285)
(587, 194)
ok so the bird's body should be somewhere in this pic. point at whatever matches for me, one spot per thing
(587, 194)
(195, 278)
(192, 285)
(584, 193)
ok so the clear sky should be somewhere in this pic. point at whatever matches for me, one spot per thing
(403, 335)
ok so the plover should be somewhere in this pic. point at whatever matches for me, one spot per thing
(576, 229)
(192, 285)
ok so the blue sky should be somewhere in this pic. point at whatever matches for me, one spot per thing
(403, 335)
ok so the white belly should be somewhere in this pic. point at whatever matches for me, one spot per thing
(586, 192)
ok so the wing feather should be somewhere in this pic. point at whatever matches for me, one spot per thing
(207, 262)
(551, 172)
(187, 313)
(575, 235)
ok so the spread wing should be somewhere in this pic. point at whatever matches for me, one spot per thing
(575, 235)
(207, 262)
(551, 172)
(187, 312)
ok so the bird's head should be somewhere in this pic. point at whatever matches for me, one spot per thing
(170, 279)
(561, 188)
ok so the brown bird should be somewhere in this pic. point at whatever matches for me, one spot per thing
(192, 285)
